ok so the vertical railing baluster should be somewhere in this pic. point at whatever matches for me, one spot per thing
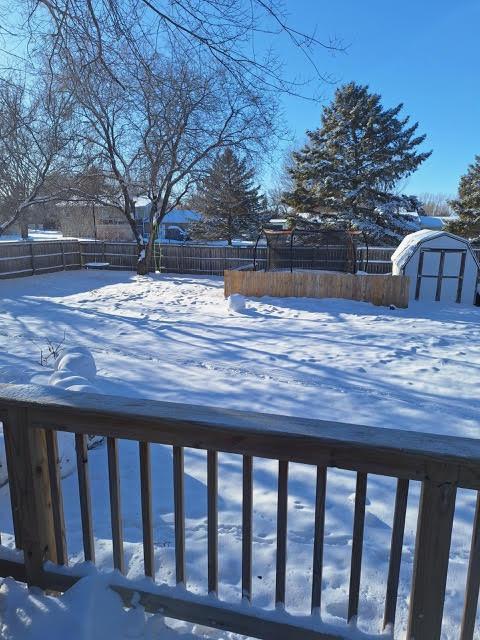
(247, 519)
(432, 548)
(317, 568)
(212, 490)
(179, 508)
(56, 493)
(473, 580)
(282, 510)
(146, 496)
(85, 496)
(115, 504)
(357, 545)
(396, 545)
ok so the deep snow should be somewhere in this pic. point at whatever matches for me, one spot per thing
(176, 338)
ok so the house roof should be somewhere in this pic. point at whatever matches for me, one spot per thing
(409, 244)
(179, 216)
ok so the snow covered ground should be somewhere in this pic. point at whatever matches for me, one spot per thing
(175, 338)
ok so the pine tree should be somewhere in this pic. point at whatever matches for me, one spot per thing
(467, 205)
(230, 203)
(347, 172)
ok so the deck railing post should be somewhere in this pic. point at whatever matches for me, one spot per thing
(432, 548)
(30, 482)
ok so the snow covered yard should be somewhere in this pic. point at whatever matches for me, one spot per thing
(175, 338)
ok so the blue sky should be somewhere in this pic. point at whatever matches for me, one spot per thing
(424, 53)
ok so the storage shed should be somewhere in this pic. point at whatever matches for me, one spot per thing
(442, 267)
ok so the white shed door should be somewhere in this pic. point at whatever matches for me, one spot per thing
(440, 274)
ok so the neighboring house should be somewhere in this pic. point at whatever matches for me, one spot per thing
(81, 219)
(174, 225)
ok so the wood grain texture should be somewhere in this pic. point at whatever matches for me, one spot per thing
(381, 290)
(396, 545)
(390, 452)
(85, 497)
(53, 462)
(31, 479)
(357, 545)
(432, 547)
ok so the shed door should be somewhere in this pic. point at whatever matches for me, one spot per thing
(440, 274)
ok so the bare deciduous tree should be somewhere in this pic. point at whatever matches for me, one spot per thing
(34, 136)
(436, 204)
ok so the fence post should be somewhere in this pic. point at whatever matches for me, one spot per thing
(32, 258)
(432, 548)
(31, 497)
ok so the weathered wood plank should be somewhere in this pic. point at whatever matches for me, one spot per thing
(390, 452)
(379, 289)
(179, 509)
(247, 527)
(357, 545)
(282, 512)
(212, 520)
(56, 496)
(473, 580)
(31, 480)
(317, 568)
(396, 545)
(115, 506)
(85, 497)
(146, 498)
(432, 547)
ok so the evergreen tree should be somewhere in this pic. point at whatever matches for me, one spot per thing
(347, 172)
(467, 205)
(230, 203)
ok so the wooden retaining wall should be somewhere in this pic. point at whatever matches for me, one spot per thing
(381, 290)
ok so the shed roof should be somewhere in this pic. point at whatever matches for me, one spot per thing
(409, 244)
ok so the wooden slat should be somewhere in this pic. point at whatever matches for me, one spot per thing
(396, 545)
(115, 508)
(212, 490)
(282, 510)
(357, 545)
(179, 509)
(317, 568)
(85, 497)
(432, 547)
(390, 452)
(473, 580)
(247, 526)
(146, 496)
(56, 496)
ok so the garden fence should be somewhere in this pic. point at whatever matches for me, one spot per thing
(30, 258)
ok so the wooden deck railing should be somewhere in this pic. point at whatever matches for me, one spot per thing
(32, 416)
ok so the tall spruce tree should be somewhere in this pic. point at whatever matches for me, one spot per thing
(230, 203)
(347, 172)
(467, 205)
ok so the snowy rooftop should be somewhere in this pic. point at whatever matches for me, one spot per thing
(407, 247)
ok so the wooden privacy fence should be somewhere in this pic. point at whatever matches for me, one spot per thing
(30, 258)
(33, 416)
(381, 290)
